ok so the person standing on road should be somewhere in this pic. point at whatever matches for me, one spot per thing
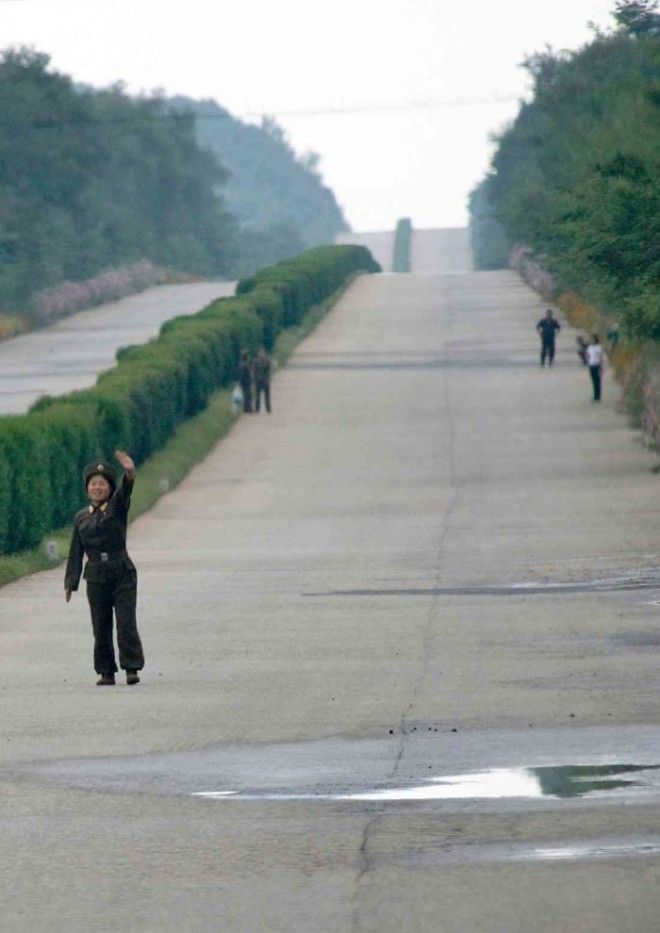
(245, 380)
(547, 328)
(261, 369)
(99, 530)
(595, 363)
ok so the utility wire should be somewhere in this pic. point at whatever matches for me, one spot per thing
(343, 110)
(388, 107)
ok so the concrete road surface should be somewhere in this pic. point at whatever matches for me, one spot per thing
(434, 559)
(431, 251)
(441, 251)
(70, 354)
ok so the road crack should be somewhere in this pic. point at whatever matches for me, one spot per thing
(427, 640)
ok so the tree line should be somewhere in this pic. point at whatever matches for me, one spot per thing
(92, 180)
(277, 197)
(577, 174)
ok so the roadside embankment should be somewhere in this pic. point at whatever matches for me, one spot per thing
(71, 353)
(52, 304)
(11, 325)
(167, 401)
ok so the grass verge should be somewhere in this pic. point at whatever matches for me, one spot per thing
(11, 325)
(165, 469)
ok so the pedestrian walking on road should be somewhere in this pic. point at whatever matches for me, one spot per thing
(262, 369)
(595, 364)
(99, 531)
(245, 380)
(548, 327)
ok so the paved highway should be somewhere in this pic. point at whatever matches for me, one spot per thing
(441, 251)
(433, 559)
(70, 354)
(431, 251)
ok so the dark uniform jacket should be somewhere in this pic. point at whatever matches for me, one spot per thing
(261, 370)
(547, 328)
(100, 532)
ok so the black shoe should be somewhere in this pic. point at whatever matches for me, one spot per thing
(106, 680)
(132, 678)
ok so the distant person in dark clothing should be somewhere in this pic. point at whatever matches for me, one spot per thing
(582, 349)
(245, 380)
(261, 370)
(595, 364)
(547, 328)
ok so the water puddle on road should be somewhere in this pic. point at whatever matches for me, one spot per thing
(456, 770)
(581, 851)
(494, 784)
(570, 851)
(647, 581)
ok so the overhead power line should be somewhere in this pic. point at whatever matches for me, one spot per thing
(339, 110)
(430, 103)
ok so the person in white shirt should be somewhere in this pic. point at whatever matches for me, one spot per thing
(594, 354)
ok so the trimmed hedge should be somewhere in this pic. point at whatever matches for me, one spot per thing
(402, 243)
(154, 387)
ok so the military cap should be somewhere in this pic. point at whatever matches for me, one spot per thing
(100, 468)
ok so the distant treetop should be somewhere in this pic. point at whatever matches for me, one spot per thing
(638, 17)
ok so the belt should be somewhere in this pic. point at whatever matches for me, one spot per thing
(96, 557)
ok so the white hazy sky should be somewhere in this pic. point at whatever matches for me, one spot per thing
(275, 56)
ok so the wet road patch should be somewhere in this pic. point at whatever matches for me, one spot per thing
(494, 784)
(636, 639)
(614, 584)
(425, 764)
(575, 850)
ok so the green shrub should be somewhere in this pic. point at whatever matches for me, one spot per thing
(576, 179)
(24, 448)
(153, 388)
(402, 244)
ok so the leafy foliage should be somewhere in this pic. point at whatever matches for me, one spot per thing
(154, 387)
(92, 180)
(577, 175)
(638, 17)
(490, 246)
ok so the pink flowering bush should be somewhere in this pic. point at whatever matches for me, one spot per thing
(53, 303)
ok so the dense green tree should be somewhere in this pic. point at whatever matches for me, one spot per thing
(90, 180)
(577, 174)
(490, 246)
(638, 17)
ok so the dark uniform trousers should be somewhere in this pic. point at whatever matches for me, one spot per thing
(245, 380)
(548, 349)
(548, 329)
(258, 389)
(246, 389)
(114, 587)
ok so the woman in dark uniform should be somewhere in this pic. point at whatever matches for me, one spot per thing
(245, 379)
(99, 530)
